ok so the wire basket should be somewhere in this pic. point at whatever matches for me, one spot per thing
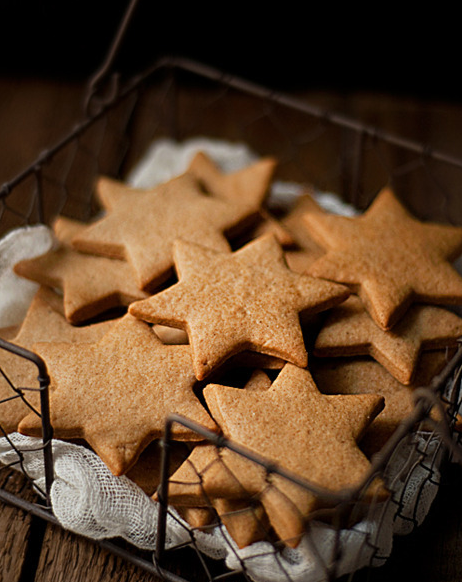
(179, 99)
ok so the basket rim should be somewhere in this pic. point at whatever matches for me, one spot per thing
(204, 71)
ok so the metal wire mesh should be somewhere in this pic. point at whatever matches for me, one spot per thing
(179, 99)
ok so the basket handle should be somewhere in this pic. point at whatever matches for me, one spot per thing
(97, 80)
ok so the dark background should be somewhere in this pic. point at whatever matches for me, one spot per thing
(373, 47)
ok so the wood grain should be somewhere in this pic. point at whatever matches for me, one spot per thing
(20, 533)
(66, 557)
(33, 116)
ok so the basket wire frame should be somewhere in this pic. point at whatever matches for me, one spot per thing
(47, 430)
(110, 140)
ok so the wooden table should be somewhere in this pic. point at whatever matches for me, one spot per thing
(34, 113)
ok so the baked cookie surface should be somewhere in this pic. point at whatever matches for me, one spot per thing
(91, 285)
(246, 300)
(141, 225)
(292, 424)
(388, 257)
(115, 396)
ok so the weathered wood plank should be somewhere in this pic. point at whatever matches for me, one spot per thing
(67, 557)
(16, 528)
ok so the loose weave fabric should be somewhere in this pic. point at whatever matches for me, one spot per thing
(89, 500)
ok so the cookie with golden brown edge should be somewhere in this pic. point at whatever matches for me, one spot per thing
(185, 484)
(146, 472)
(245, 519)
(292, 424)
(117, 393)
(246, 359)
(140, 225)
(44, 322)
(248, 187)
(269, 223)
(294, 223)
(245, 523)
(350, 331)
(231, 302)
(390, 258)
(362, 375)
(90, 285)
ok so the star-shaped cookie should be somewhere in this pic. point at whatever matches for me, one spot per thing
(349, 330)
(246, 300)
(185, 484)
(117, 393)
(245, 519)
(362, 375)
(141, 225)
(44, 321)
(294, 222)
(388, 257)
(292, 424)
(248, 187)
(245, 523)
(90, 285)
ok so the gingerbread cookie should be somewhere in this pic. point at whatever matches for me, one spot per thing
(361, 375)
(185, 484)
(90, 285)
(388, 257)
(45, 322)
(245, 523)
(245, 519)
(230, 302)
(293, 425)
(350, 331)
(117, 393)
(248, 187)
(141, 225)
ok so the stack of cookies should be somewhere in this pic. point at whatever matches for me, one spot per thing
(299, 337)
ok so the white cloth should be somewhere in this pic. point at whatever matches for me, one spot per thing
(16, 292)
(89, 500)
